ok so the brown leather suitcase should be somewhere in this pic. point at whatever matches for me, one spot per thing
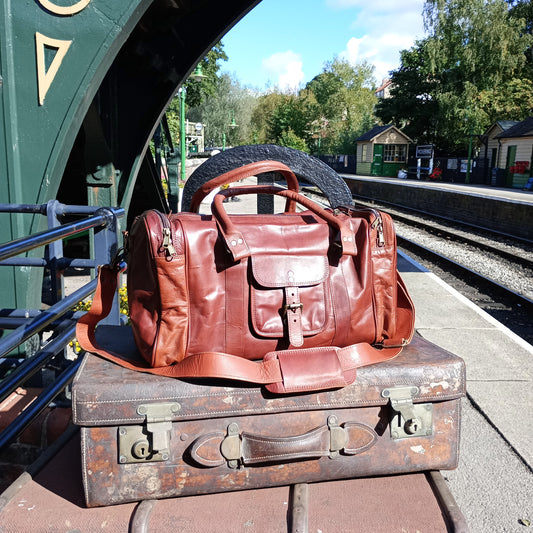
(150, 437)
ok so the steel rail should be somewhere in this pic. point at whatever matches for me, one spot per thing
(15, 320)
(39, 404)
(43, 209)
(62, 264)
(464, 271)
(440, 231)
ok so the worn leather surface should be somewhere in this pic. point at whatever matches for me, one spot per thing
(106, 397)
(97, 400)
(291, 280)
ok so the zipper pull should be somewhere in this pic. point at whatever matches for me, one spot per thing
(167, 242)
(378, 224)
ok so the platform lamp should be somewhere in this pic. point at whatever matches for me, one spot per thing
(231, 125)
(197, 75)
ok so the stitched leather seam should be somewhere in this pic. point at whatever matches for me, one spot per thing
(282, 455)
(84, 463)
(265, 283)
(421, 399)
(155, 399)
(192, 415)
(75, 390)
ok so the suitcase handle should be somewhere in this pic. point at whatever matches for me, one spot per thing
(242, 448)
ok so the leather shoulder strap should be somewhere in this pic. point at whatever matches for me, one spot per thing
(226, 366)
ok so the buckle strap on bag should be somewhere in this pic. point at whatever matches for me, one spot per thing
(283, 371)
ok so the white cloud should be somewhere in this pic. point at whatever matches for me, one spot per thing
(285, 68)
(381, 30)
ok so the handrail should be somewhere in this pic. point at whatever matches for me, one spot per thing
(25, 244)
(38, 323)
(59, 317)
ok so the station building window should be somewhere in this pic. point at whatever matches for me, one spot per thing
(395, 153)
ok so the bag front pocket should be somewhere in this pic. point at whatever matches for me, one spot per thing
(289, 295)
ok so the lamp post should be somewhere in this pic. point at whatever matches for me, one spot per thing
(182, 93)
(197, 75)
(231, 125)
(470, 136)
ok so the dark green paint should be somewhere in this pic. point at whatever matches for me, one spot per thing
(88, 142)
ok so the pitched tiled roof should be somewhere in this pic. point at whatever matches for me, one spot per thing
(376, 130)
(506, 124)
(522, 129)
(384, 84)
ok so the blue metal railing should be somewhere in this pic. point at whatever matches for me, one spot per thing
(59, 319)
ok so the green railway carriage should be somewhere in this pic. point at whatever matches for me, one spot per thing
(83, 87)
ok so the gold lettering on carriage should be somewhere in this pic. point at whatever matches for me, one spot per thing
(47, 73)
(45, 76)
(64, 10)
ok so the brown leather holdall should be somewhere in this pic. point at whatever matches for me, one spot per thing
(295, 301)
(150, 437)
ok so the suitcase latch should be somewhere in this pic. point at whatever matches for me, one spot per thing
(408, 419)
(150, 441)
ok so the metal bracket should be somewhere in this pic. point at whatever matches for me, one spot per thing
(337, 437)
(231, 446)
(150, 441)
(408, 419)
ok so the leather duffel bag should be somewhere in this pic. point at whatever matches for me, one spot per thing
(296, 301)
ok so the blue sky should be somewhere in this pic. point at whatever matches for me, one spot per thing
(285, 43)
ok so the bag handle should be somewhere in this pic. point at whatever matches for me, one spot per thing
(235, 240)
(259, 167)
(274, 371)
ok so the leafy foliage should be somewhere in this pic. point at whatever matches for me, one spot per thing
(413, 106)
(471, 70)
(475, 47)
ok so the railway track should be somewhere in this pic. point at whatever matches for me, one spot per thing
(494, 271)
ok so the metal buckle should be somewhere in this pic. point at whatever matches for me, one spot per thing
(292, 307)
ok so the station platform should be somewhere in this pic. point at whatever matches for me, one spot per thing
(509, 211)
(504, 193)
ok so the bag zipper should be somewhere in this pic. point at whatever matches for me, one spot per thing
(167, 245)
(376, 224)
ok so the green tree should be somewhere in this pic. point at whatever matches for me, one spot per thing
(512, 101)
(523, 11)
(412, 105)
(292, 113)
(266, 107)
(473, 46)
(345, 98)
(291, 140)
(197, 91)
(231, 103)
